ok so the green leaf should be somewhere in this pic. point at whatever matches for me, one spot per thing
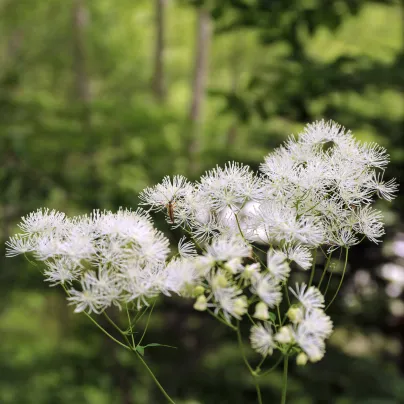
(140, 349)
(156, 344)
(272, 317)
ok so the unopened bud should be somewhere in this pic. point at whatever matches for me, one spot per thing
(301, 359)
(201, 303)
(261, 311)
(198, 290)
(295, 314)
(219, 281)
(250, 269)
(233, 265)
(240, 306)
(284, 335)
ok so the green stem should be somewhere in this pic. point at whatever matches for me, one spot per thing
(286, 293)
(285, 379)
(221, 320)
(259, 396)
(147, 323)
(240, 343)
(154, 377)
(273, 367)
(325, 270)
(342, 278)
(313, 267)
(130, 328)
(106, 332)
(253, 374)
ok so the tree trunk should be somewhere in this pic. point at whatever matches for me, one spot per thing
(80, 23)
(203, 37)
(159, 89)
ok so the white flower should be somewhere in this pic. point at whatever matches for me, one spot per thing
(228, 299)
(299, 254)
(169, 191)
(310, 298)
(277, 265)
(181, 276)
(61, 271)
(224, 248)
(261, 338)
(385, 190)
(369, 222)
(43, 220)
(267, 289)
(318, 323)
(186, 249)
(313, 346)
(19, 244)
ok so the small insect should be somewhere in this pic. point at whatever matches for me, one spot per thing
(170, 210)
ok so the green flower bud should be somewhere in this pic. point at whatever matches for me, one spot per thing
(301, 359)
(261, 311)
(201, 303)
(295, 314)
(240, 306)
(284, 335)
(219, 281)
(198, 290)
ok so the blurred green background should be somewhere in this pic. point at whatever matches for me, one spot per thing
(101, 98)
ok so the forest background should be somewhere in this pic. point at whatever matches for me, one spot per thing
(99, 99)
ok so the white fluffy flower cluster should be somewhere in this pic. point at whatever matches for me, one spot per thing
(101, 259)
(314, 191)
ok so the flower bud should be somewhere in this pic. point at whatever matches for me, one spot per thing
(233, 265)
(284, 335)
(295, 314)
(240, 306)
(201, 303)
(301, 359)
(198, 290)
(261, 311)
(219, 281)
(250, 269)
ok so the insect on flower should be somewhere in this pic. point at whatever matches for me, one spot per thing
(170, 210)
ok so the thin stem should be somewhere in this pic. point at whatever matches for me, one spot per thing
(285, 379)
(112, 322)
(286, 293)
(257, 369)
(273, 367)
(325, 270)
(239, 227)
(240, 343)
(147, 323)
(253, 374)
(313, 267)
(221, 320)
(259, 396)
(250, 318)
(106, 332)
(342, 278)
(154, 377)
(130, 328)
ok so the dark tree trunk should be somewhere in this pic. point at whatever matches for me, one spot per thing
(159, 86)
(203, 38)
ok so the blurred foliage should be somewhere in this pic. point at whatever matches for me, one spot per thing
(80, 128)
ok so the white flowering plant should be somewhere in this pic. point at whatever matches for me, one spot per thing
(244, 233)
